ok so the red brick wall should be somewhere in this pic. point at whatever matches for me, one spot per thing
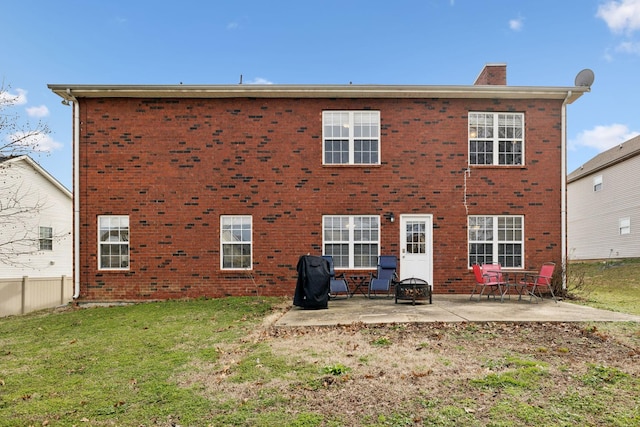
(495, 74)
(176, 166)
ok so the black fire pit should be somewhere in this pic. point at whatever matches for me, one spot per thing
(413, 289)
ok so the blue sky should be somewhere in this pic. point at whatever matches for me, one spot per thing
(426, 42)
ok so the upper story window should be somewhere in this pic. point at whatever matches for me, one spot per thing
(236, 241)
(113, 242)
(45, 238)
(597, 183)
(496, 138)
(496, 239)
(351, 137)
(352, 241)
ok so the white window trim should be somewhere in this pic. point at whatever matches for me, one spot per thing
(624, 226)
(597, 183)
(128, 243)
(496, 139)
(351, 242)
(223, 243)
(351, 137)
(495, 242)
(41, 239)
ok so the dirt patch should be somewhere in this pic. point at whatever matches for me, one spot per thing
(416, 370)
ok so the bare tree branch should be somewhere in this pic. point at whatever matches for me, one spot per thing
(19, 209)
(18, 136)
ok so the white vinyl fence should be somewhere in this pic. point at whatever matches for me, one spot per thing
(21, 296)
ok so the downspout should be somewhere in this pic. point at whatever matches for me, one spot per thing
(76, 195)
(563, 190)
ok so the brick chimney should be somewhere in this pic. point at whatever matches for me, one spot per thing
(493, 74)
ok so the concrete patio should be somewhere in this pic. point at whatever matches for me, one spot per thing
(447, 308)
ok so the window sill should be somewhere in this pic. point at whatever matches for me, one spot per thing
(498, 166)
(355, 165)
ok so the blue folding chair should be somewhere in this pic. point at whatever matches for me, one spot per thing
(385, 276)
(337, 285)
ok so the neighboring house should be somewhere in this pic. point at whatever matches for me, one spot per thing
(604, 206)
(36, 221)
(186, 191)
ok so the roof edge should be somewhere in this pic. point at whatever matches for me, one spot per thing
(41, 171)
(70, 92)
(595, 164)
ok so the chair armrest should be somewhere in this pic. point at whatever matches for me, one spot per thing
(546, 278)
(491, 275)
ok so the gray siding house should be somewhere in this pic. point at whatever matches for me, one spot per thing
(603, 205)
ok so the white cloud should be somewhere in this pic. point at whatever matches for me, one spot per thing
(35, 141)
(48, 144)
(516, 24)
(18, 98)
(629, 47)
(259, 81)
(233, 26)
(40, 111)
(621, 16)
(602, 138)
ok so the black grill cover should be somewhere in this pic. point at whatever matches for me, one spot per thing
(312, 289)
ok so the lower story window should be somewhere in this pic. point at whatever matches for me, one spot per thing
(496, 239)
(236, 242)
(113, 242)
(352, 241)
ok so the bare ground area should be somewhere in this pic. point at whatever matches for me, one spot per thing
(446, 374)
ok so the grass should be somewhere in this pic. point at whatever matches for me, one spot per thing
(612, 285)
(188, 362)
(115, 364)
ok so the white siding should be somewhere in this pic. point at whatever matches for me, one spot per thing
(33, 188)
(594, 217)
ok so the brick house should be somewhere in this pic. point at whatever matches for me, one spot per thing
(186, 191)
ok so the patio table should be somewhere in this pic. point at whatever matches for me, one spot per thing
(360, 283)
(517, 284)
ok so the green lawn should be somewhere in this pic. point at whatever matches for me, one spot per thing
(612, 285)
(115, 364)
(211, 362)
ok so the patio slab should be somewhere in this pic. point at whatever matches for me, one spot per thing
(446, 308)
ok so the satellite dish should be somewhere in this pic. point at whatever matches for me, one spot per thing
(585, 78)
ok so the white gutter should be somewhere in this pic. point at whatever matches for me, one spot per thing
(76, 195)
(563, 189)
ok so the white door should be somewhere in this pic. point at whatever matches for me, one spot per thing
(416, 247)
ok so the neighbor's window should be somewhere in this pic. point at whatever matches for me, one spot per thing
(351, 137)
(496, 239)
(45, 238)
(352, 241)
(597, 183)
(113, 242)
(625, 225)
(496, 138)
(236, 242)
